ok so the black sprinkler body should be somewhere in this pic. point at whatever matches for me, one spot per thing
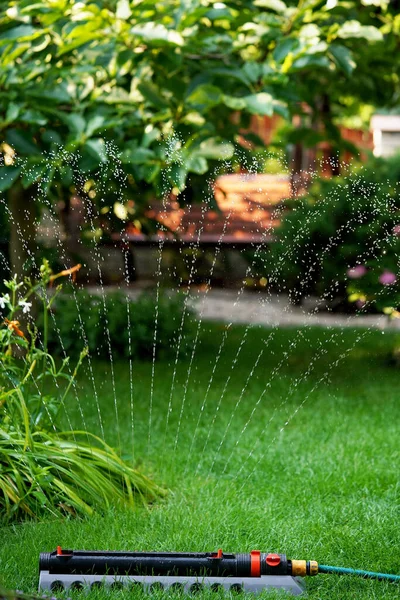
(186, 571)
(213, 564)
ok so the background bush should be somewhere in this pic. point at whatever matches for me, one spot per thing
(340, 223)
(83, 319)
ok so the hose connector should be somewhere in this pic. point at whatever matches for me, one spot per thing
(301, 568)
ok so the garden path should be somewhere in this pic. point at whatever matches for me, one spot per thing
(249, 307)
(275, 310)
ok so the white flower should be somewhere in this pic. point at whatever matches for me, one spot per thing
(26, 306)
(4, 299)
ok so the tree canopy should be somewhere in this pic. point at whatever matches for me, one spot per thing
(151, 86)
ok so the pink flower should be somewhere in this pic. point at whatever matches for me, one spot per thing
(387, 278)
(356, 272)
(396, 230)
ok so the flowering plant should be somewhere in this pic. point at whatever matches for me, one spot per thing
(376, 283)
(42, 468)
(23, 353)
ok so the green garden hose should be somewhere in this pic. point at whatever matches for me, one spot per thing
(359, 572)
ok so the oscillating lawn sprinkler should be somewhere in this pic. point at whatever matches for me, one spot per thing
(190, 572)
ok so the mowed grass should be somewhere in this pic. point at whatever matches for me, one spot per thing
(297, 450)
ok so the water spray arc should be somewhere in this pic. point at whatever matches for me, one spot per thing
(254, 571)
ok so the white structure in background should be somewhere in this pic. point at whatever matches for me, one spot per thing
(386, 134)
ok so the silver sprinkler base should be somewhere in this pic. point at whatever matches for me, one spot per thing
(255, 585)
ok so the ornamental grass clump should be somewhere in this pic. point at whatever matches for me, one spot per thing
(44, 470)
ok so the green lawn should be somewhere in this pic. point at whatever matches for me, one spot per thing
(325, 486)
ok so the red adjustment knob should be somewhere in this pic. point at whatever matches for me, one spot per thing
(273, 560)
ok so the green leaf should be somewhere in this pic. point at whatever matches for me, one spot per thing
(151, 172)
(32, 174)
(17, 50)
(66, 175)
(8, 175)
(47, 178)
(21, 141)
(382, 3)
(205, 96)
(151, 134)
(118, 96)
(152, 94)
(234, 103)
(75, 122)
(276, 5)
(177, 175)
(215, 150)
(123, 10)
(280, 108)
(311, 60)
(59, 93)
(220, 13)
(33, 117)
(17, 33)
(253, 71)
(354, 29)
(197, 164)
(94, 124)
(284, 48)
(343, 58)
(97, 149)
(52, 137)
(137, 156)
(151, 31)
(77, 43)
(259, 104)
(12, 113)
(88, 162)
(220, 73)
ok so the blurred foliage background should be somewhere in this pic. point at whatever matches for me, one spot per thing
(124, 101)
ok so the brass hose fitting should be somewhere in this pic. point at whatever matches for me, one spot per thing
(302, 568)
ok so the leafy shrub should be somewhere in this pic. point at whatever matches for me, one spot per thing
(42, 469)
(125, 325)
(339, 224)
